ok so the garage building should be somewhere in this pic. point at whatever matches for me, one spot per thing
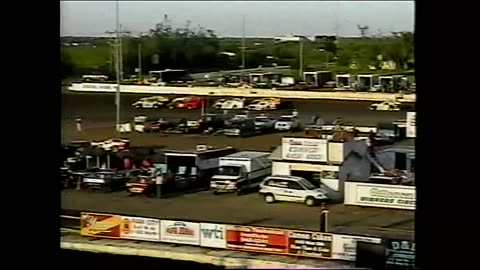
(323, 162)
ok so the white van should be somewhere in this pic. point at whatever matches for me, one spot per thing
(291, 189)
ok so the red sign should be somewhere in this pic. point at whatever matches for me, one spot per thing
(249, 238)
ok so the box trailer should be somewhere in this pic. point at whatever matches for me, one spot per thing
(241, 171)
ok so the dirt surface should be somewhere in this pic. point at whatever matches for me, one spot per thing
(248, 209)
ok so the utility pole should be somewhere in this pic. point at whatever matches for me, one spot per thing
(243, 46)
(300, 69)
(140, 60)
(117, 94)
(121, 52)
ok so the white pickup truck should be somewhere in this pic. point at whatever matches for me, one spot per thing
(241, 171)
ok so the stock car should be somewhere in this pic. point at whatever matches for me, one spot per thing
(263, 105)
(389, 105)
(229, 104)
(153, 102)
(189, 103)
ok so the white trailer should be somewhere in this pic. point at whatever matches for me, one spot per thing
(345, 81)
(241, 171)
(368, 82)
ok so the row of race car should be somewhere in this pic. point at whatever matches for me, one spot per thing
(262, 104)
(242, 125)
(194, 102)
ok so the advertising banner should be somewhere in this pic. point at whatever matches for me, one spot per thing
(101, 225)
(147, 229)
(250, 238)
(310, 244)
(398, 197)
(180, 232)
(304, 149)
(344, 247)
(213, 235)
(400, 254)
(411, 125)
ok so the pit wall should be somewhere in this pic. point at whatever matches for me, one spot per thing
(238, 92)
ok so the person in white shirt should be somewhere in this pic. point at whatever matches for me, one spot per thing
(295, 113)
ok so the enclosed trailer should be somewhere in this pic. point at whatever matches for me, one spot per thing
(367, 82)
(317, 78)
(345, 81)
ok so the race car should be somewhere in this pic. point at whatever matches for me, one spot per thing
(230, 104)
(112, 144)
(153, 102)
(386, 106)
(190, 103)
(262, 105)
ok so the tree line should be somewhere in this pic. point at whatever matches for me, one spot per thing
(197, 49)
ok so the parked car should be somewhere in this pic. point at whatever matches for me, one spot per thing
(212, 121)
(154, 102)
(287, 123)
(264, 123)
(386, 106)
(242, 127)
(291, 189)
(106, 181)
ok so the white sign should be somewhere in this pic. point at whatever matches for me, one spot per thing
(411, 125)
(344, 247)
(213, 235)
(180, 232)
(98, 86)
(147, 229)
(380, 195)
(304, 149)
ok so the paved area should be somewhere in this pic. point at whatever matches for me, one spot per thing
(249, 209)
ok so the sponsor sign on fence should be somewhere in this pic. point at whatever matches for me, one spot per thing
(344, 247)
(250, 238)
(101, 225)
(242, 238)
(180, 232)
(380, 195)
(213, 235)
(147, 229)
(310, 244)
(400, 253)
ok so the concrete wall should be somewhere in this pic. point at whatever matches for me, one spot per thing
(236, 92)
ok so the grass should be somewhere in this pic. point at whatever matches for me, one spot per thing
(87, 57)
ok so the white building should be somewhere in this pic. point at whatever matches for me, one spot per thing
(323, 162)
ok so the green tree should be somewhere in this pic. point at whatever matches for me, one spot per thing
(66, 64)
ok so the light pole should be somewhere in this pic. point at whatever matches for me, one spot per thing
(300, 69)
(117, 94)
(140, 59)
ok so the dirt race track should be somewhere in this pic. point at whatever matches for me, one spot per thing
(98, 114)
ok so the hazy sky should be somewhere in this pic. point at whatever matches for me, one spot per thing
(266, 18)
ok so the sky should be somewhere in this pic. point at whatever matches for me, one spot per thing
(262, 18)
